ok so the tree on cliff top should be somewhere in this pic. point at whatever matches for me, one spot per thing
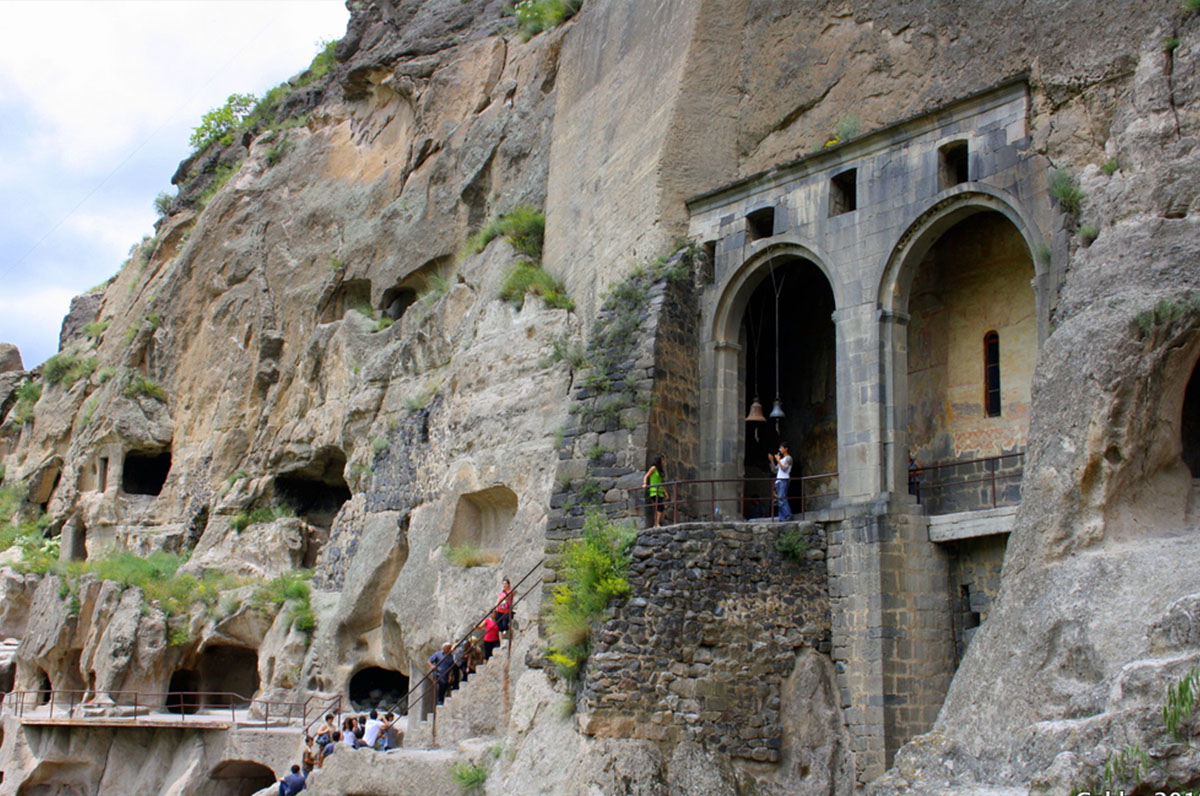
(219, 124)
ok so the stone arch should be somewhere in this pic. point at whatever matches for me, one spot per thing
(230, 671)
(940, 217)
(726, 432)
(239, 778)
(742, 283)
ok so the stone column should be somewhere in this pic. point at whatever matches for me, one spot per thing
(860, 407)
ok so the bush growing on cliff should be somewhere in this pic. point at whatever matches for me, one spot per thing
(1065, 188)
(66, 369)
(291, 589)
(244, 519)
(535, 16)
(140, 386)
(593, 570)
(219, 125)
(469, 777)
(524, 227)
(469, 555)
(529, 278)
(28, 394)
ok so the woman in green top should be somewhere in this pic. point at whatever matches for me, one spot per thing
(652, 483)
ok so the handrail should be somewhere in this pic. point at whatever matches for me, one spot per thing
(425, 678)
(993, 474)
(803, 495)
(143, 703)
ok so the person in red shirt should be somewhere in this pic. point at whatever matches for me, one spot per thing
(491, 634)
(504, 606)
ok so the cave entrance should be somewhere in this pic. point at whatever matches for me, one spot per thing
(181, 693)
(44, 687)
(379, 688)
(317, 490)
(971, 347)
(239, 778)
(229, 674)
(145, 472)
(397, 300)
(787, 329)
(352, 294)
(1190, 423)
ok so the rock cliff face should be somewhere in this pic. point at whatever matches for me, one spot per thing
(302, 369)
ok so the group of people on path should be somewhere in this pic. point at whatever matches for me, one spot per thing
(455, 662)
(450, 666)
(781, 463)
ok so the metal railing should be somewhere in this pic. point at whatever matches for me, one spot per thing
(985, 484)
(403, 705)
(748, 498)
(163, 705)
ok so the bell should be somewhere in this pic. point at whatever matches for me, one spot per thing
(756, 412)
(777, 409)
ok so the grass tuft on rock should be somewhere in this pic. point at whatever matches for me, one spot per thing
(469, 555)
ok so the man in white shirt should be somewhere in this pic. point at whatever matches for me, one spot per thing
(373, 728)
(783, 474)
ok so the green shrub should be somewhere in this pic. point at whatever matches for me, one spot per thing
(140, 386)
(1191, 6)
(792, 544)
(28, 394)
(1168, 311)
(89, 409)
(322, 63)
(1065, 188)
(93, 330)
(291, 589)
(235, 477)
(1111, 165)
(162, 203)
(1087, 233)
(105, 373)
(219, 125)
(564, 349)
(469, 555)
(469, 777)
(535, 16)
(66, 369)
(524, 227)
(276, 152)
(1170, 44)
(243, 520)
(528, 277)
(593, 570)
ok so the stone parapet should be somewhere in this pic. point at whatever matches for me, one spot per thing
(711, 630)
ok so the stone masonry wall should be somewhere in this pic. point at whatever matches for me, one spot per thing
(604, 450)
(974, 584)
(715, 619)
(675, 410)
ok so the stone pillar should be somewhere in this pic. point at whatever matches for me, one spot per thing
(893, 348)
(893, 643)
(860, 407)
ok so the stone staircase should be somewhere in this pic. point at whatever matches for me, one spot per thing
(478, 707)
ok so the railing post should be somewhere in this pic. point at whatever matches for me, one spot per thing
(135, 707)
(51, 703)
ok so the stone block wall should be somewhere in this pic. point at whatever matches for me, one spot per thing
(974, 584)
(711, 629)
(647, 406)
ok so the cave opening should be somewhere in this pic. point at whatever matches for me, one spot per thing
(239, 778)
(316, 491)
(1190, 423)
(145, 472)
(396, 300)
(379, 688)
(228, 674)
(181, 696)
(352, 294)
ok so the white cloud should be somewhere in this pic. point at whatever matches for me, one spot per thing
(32, 321)
(97, 101)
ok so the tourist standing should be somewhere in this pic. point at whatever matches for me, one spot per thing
(504, 606)
(491, 634)
(783, 474)
(655, 491)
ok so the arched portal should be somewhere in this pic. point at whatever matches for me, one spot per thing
(747, 335)
(788, 343)
(972, 345)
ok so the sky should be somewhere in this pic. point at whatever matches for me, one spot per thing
(97, 102)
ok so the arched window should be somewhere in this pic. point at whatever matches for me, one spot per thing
(991, 374)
